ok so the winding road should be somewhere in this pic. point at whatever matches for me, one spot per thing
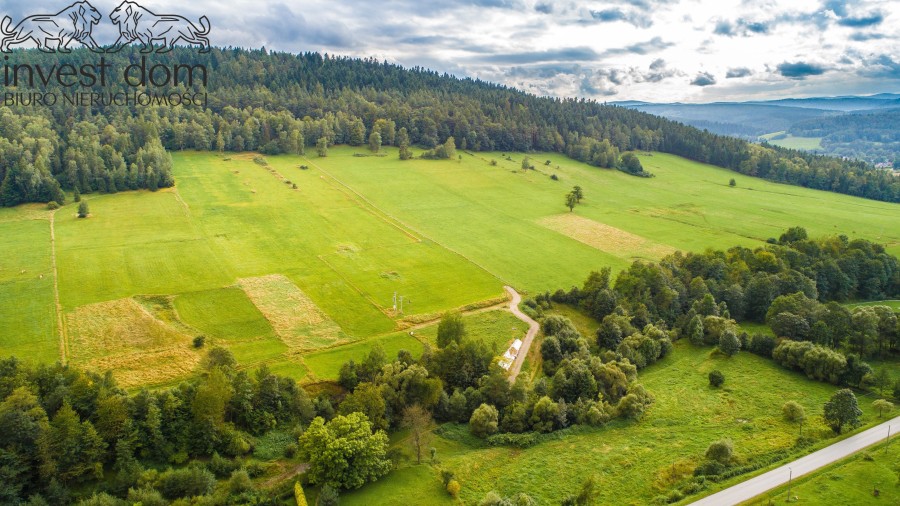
(533, 328)
(777, 477)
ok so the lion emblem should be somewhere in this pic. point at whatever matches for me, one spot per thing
(54, 32)
(137, 23)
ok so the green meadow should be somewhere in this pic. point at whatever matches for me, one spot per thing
(651, 455)
(298, 267)
(791, 142)
(852, 480)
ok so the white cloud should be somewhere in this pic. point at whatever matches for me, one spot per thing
(570, 49)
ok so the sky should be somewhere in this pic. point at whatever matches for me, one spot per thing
(651, 50)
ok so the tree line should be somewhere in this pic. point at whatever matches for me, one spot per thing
(284, 103)
(66, 433)
(794, 284)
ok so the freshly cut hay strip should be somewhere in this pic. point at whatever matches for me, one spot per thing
(122, 336)
(604, 237)
(297, 321)
(149, 368)
(117, 326)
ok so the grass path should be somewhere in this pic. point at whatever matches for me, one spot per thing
(60, 327)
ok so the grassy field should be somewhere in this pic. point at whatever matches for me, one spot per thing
(304, 277)
(791, 142)
(893, 304)
(514, 224)
(496, 328)
(849, 481)
(28, 317)
(687, 416)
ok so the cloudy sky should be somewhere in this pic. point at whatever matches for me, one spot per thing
(655, 50)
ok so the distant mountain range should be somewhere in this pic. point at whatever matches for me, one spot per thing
(830, 125)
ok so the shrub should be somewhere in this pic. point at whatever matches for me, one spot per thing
(554, 177)
(716, 378)
(729, 344)
(732, 182)
(709, 468)
(328, 496)
(187, 482)
(524, 440)
(146, 497)
(453, 488)
(882, 406)
(720, 451)
(819, 363)
(53, 205)
(239, 482)
(793, 412)
(199, 341)
(762, 345)
(83, 210)
(447, 477)
(221, 466)
(484, 420)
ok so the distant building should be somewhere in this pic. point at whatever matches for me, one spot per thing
(884, 165)
(506, 361)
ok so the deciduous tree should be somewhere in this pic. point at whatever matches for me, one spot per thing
(842, 409)
(344, 453)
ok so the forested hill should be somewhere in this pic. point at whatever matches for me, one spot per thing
(277, 102)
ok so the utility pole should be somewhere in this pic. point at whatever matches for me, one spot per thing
(790, 475)
(401, 304)
(395, 301)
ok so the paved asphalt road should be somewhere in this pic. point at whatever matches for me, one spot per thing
(533, 328)
(776, 477)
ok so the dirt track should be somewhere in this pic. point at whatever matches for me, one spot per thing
(533, 328)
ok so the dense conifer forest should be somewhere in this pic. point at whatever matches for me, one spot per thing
(284, 103)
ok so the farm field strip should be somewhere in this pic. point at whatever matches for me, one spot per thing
(444, 234)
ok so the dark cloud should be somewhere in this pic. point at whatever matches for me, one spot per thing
(838, 7)
(742, 27)
(738, 72)
(612, 15)
(545, 8)
(873, 19)
(553, 55)
(593, 88)
(704, 79)
(800, 70)
(282, 27)
(653, 45)
(863, 37)
(881, 67)
(659, 70)
(724, 27)
(545, 70)
(756, 26)
(647, 5)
